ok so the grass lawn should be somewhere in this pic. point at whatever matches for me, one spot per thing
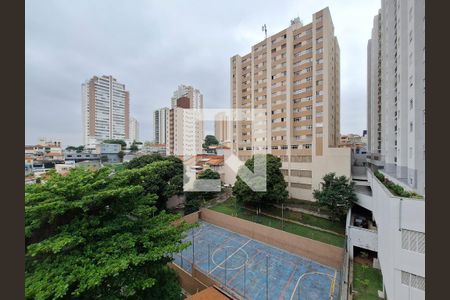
(228, 207)
(372, 277)
(308, 219)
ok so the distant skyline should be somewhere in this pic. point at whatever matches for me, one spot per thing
(153, 46)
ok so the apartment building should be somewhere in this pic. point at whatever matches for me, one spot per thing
(194, 96)
(160, 118)
(105, 109)
(222, 127)
(294, 76)
(134, 129)
(396, 92)
(396, 139)
(185, 122)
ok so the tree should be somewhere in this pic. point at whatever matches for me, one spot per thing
(116, 141)
(274, 181)
(210, 140)
(77, 149)
(121, 154)
(104, 158)
(165, 181)
(134, 147)
(337, 194)
(98, 235)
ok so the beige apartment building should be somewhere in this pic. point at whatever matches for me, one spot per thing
(293, 76)
(221, 127)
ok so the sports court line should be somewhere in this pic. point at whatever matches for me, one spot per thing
(333, 284)
(230, 255)
(305, 274)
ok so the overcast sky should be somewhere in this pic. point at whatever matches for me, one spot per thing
(153, 46)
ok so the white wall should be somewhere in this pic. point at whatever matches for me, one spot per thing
(392, 214)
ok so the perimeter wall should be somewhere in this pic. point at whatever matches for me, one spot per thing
(325, 254)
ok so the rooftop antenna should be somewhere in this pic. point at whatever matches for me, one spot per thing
(264, 28)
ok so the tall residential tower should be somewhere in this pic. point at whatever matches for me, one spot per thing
(160, 119)
(294, 76)
(185, 123)
(105, 110)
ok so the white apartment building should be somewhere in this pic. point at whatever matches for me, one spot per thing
(396, 141)
(294, 76)
(134, 130)
(105, 110)
(396, 89)
(160, 119)
(185, 122)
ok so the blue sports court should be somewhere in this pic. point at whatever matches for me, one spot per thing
(253, 270)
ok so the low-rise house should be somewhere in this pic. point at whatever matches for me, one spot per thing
(110, 151)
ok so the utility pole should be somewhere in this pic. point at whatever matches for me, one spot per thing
(264, 28)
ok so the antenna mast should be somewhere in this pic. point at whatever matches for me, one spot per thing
(264, 28)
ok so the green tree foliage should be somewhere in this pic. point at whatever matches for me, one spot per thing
(121, 154)
(77, 149)
(165, 182)
(210, 140)
(104, 158)
(142, 161)
(275, 184)
(134, 147)
(337, 194)
(116, 141)
(99, 235)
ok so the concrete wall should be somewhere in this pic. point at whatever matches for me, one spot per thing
(364, 200)
(323, 253)
(363, 238)
(187, 281)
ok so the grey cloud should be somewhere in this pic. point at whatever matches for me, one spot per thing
(152, 46)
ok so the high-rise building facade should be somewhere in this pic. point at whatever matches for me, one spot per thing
(396, 150)
(294, 76)
(396, 92)
(185, 123)
(105, 109)
(160, 119)
(134, 129)
(222, 127)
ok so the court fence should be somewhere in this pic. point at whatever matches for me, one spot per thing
(193, 279)
(325, 254)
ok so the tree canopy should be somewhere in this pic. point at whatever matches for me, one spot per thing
(210, 140)
(73, 148)
(276, 185)
(99, 235)
(165, 181)
(337, 194)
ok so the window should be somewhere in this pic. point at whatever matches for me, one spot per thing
(274, 147)
(301, 173)
(411, 103)
(414, 281)
(411, 126)
(301, 185)
(307, 146)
